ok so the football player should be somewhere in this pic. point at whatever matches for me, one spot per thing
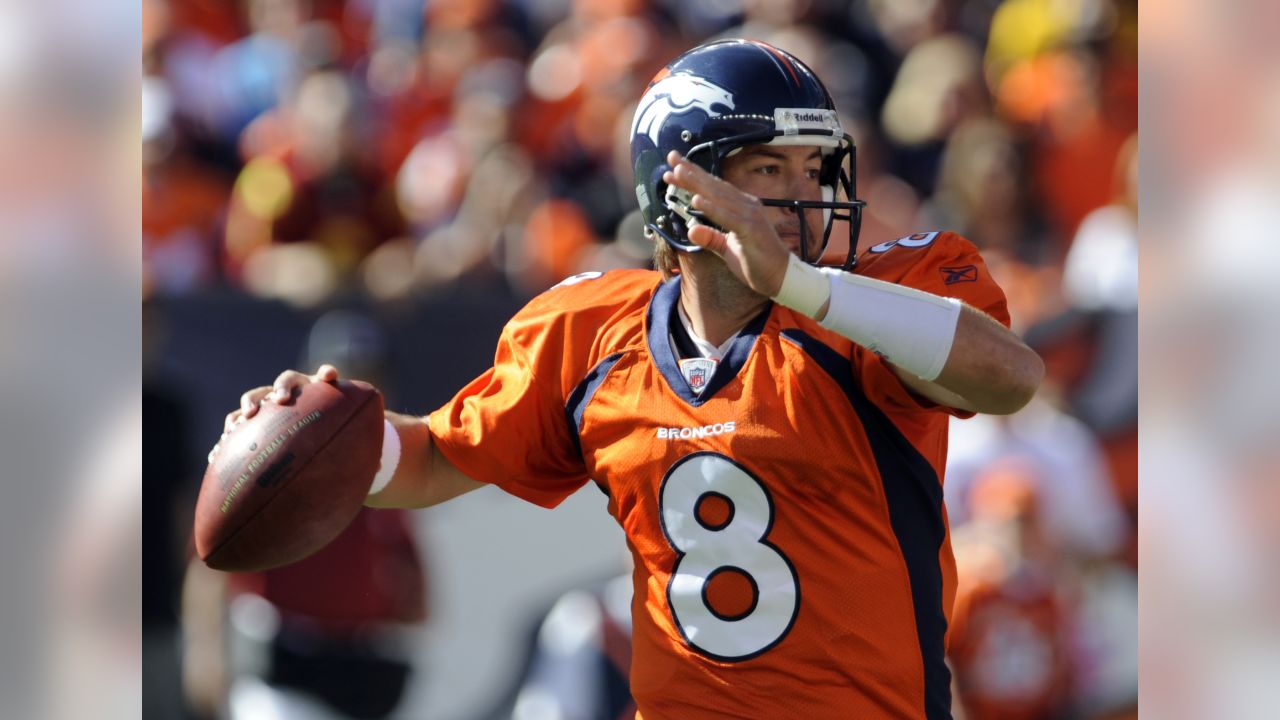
(771, 434)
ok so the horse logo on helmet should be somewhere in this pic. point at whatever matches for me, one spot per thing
(676, 94)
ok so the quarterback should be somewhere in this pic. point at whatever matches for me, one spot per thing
(771, 434)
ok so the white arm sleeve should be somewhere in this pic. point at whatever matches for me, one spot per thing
(390, 457)
(911, 328)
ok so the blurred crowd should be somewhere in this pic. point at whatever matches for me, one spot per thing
(315, 150)
(1209, 538)
(298, 148)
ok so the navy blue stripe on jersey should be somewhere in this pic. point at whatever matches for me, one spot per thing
(662, 313)
(914, 495)
(582, 395)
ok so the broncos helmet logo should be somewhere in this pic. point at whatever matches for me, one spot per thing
(673, 95)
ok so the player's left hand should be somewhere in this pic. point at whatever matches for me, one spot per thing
(751, 247)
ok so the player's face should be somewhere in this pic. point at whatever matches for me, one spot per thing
(788, 172)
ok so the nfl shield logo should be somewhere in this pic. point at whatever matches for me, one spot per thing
(697, 372)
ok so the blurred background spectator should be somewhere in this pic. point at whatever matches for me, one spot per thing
(436, 162)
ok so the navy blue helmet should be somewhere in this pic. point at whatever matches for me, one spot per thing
(725, 95)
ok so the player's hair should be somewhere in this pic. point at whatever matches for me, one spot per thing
(664, 258)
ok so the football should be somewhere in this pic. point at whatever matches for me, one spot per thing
(286, 482)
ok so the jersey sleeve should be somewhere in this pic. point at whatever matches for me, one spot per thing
(509, 426)
(942, 263)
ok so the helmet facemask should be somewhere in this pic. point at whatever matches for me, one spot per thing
(836, 177)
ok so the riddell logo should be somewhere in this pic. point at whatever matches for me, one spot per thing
(807, 117)
(692, 433)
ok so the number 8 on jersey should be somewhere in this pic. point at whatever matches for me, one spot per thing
(725, 547)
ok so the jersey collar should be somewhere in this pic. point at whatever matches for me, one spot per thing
(662, 316)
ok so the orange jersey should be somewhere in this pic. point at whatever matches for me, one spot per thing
(790, 544)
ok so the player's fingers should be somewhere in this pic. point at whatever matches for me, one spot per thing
(732, 213)
(686, 174)
(689, 177)
(692, 177)
(709, 239)
(249, 402)
(712, 194)
(289, 380)
(326, 373)
(738, 215)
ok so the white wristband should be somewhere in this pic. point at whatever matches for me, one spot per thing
(911, 328)
(804, 287)
(390, 458)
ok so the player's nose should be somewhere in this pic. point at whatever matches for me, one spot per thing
(801, 185)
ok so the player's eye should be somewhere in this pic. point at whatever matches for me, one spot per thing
(812, 173)
(769, 169)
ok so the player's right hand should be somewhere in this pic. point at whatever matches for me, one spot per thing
(280, 392)
(751, 248)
